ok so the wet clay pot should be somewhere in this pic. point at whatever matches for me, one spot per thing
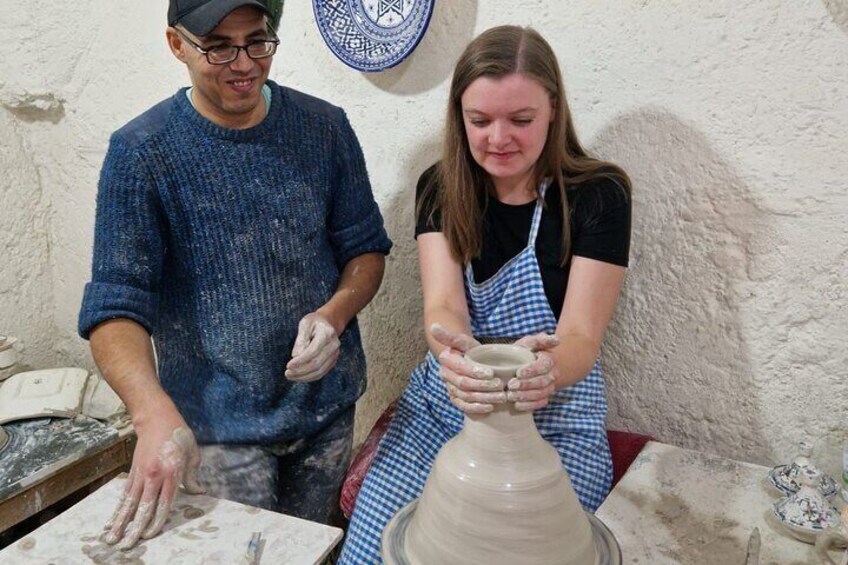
(497, 493)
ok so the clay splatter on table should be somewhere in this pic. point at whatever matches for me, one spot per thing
(207, 527)
(696, 533)
(200, 529)
(105, 554)
(190, 512)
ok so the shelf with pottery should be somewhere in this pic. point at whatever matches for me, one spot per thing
(680, 506)
(61, 430)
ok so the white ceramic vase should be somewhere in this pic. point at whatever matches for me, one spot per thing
(497, 493)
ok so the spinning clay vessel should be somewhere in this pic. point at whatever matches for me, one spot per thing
(498, 494)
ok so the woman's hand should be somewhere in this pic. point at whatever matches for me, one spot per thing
(471, 387)
(533, 385)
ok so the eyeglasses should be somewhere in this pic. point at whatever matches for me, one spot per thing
(223, 54)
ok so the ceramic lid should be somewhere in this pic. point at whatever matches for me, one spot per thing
(806, 510)
(788, 478)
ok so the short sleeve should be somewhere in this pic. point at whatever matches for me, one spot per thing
(601, 215)
(128, 244)
(428, 218)
(355, 223)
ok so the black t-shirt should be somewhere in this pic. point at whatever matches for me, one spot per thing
(600, 229)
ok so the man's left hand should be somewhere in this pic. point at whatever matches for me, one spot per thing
(315, 351)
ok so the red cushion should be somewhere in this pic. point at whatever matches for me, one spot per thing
(362, 460)
(624, 446)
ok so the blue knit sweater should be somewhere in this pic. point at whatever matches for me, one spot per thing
(218, 241)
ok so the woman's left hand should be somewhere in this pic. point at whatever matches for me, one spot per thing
(533, 385)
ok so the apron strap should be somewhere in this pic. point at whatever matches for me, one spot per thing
(537, 214)
(534, 226)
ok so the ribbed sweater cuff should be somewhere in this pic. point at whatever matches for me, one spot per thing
(104, 301)
(366, 236)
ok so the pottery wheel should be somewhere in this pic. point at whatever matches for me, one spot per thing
(395, 534)
(11, 439)
(34, 445)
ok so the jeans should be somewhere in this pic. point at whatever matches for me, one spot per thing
(300, 478)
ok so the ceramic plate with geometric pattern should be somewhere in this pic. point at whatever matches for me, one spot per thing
(372, 35)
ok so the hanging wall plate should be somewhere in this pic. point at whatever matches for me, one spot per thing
(372, 35)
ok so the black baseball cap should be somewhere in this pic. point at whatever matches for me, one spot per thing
(202, 16)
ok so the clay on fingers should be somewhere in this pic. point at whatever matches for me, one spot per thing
(460, 342)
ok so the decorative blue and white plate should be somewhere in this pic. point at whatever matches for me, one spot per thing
(372, 35)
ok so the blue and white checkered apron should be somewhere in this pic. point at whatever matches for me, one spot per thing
(511, 304)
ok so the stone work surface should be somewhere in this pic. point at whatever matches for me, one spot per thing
(26, 294)
(732, 119)
(200, 529)
(681, 506)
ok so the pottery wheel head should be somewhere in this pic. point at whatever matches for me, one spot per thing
(394, 538)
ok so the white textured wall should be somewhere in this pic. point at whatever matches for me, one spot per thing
(732, 119)
(26, 293)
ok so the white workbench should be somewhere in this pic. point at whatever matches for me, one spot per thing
(679, 506)
(200, 529)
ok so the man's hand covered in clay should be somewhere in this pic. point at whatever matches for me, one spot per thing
(166, 456)
(533, 385)
(315, 350)
(470, 386)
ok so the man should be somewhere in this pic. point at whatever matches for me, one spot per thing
(236, 226)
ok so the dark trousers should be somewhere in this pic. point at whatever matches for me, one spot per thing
(300, 478)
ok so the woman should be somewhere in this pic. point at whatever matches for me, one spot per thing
(521, 237)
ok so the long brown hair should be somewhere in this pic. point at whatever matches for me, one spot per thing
(461, 185)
